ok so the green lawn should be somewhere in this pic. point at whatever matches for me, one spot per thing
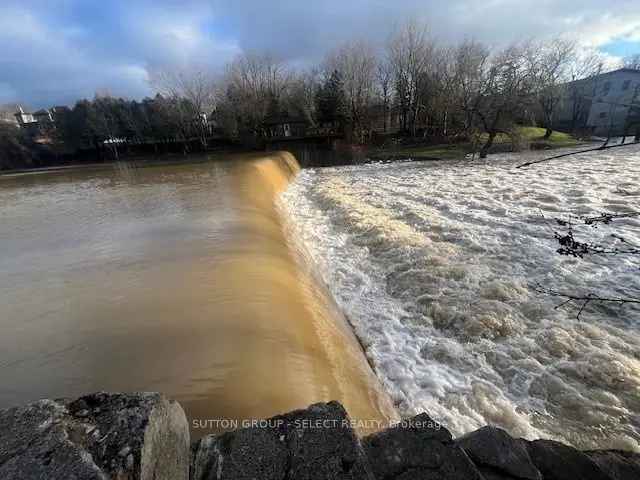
(536, 134)
(445, 152)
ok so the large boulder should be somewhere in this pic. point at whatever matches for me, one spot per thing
(315, 443)
(99, 436)
(417, 449)
(498, 455)
(617, 464)
(557, 461)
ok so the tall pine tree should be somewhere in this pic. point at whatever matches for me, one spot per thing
(331, 101)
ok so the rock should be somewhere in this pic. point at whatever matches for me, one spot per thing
(557, 461)
(498, 455)
(617, 464)
(81, 439)
(416, 449)
(316, 443)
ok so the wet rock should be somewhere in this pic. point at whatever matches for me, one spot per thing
(417, 449)
(617, 464)
(498, 455)
(316, 443)
(557, 461)
(81, 439)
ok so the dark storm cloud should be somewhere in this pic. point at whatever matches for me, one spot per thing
(60, 50)
(54, 51)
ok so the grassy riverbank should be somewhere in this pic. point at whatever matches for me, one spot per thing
(532, 136)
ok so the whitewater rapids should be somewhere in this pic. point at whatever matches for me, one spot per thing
(433, 263)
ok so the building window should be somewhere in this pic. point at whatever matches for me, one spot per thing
(603, 114)
(626, 84)
(606, 88)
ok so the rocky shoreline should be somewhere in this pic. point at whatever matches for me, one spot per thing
(146, 436)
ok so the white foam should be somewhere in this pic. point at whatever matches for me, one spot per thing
(432, 263)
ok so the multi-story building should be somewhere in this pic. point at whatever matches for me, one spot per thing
(605, 104)
(40, 125)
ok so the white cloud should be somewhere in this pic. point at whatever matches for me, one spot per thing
(46, 61)
(607, 28)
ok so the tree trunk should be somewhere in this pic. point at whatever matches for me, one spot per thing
(444, 128)
(385, 114)
(484, 151)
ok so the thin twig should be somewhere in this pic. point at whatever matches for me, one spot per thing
(570, 246)
(583, 299)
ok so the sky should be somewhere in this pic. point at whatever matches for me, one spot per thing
(53, 52)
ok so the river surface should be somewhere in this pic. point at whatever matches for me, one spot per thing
(177, 279)
(434, 263)
(238, 292)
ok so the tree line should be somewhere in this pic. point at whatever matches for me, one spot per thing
(413, 86)
(105, 127)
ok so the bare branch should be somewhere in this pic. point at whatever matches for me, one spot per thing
(582, 300)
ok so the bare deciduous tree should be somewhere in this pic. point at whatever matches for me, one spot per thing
(196, 86)
(254, 86)
(470, 71)
(302, 95)
(550, 65)
(384, 78)
(501, 92)
(410, 52)
(357, 63)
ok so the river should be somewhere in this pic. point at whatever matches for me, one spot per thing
(177, 279)
(236, 287)
(434, 263)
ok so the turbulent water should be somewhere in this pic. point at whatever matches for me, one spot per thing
(434, 264)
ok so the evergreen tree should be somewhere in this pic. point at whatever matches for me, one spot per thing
(330, 99)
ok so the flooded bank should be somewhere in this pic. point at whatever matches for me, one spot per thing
(177, 279)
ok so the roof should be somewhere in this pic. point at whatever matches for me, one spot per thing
(612, 72)
(625, 70)
(41, 112)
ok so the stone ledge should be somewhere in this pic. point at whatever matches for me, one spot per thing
(145, 436)
(140, 436)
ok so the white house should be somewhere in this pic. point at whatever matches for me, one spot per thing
(24, 118)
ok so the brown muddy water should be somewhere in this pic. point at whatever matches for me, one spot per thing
(178, 279)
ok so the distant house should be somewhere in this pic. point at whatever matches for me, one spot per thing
(24, 119)
(43, 116)
(384, 118)
(38, 125)
(285, 126)
(605, 104)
